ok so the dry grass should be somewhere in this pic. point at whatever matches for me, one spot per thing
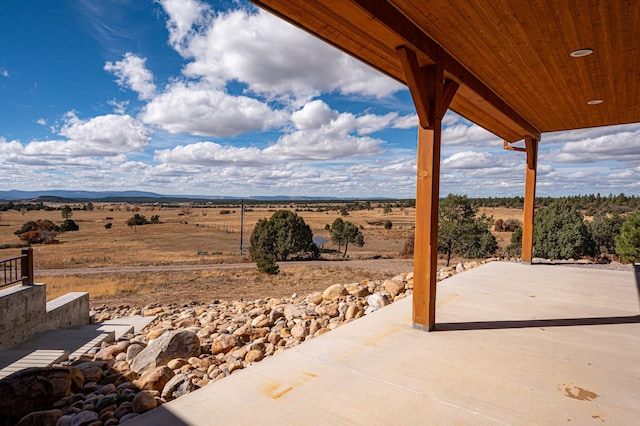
(178, 239)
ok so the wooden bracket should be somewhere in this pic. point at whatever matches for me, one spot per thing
(417, 83)
(531, 148)
(505, 145)
(430, 93)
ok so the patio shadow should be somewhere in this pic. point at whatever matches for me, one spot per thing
(542, 323)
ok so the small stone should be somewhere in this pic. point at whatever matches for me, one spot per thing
(223, 344)
(84, 418)
(177, 363)
(154, 378)
(254, 355)
(144, 401)
(334, 292)
(315, 298)
(394, 287)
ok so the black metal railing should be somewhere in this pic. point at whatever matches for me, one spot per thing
(17, 269)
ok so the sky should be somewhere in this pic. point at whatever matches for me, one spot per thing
(219, 98)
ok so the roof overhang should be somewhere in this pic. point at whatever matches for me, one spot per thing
(512, 60)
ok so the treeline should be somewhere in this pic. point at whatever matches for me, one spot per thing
(590, 204)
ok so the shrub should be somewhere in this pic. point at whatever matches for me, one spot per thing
(515, 248)
(69, 225)
(37, 232)
(108, 225)
(388, 224)
(628, 242)
(137, 219)
(604, 229)
(560, 232)
(267, 263)
(461, 232)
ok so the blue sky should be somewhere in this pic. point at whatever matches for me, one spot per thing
(220, 98)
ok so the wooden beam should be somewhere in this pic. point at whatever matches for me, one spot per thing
(394, 20)
(425, 252)
(529, 199)
(450, 89)
(417, 84)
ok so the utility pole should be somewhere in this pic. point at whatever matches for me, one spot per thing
(241, 223)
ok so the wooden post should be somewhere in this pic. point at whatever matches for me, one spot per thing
(529, 198)
(26, 266)
(425, 251)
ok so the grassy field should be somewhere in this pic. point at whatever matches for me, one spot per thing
(182, 234)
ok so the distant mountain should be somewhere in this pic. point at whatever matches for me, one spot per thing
(15, 195)
(133, 196)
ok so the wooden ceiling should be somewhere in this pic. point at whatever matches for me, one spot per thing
(510, 57)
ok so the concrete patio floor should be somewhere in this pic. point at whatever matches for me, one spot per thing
(515, 344)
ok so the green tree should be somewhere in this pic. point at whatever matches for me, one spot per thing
(282, 236)
(461, 232)
(137, 219)
(560, 232)
(604, 229)
(345, 232)
(69, 225)
(515, 248)
(628, 242)
(66, 212)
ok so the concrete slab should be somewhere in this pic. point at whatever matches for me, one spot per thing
(53, 346)
(516, 344)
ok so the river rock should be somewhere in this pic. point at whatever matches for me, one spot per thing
(178, 385)
(172, 344)
(334, 292)
(223, 344)
(394, 287)
(154, 378)
(144, 401)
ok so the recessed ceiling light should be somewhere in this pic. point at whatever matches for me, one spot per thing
(581, 52)
(595, 101)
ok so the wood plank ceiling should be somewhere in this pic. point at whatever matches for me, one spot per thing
(511, 57)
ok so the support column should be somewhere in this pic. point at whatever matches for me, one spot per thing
(425, 251)
(431, 96)
(529, 198)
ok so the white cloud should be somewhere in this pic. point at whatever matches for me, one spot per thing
(4, 72)
(271, 56)
(313, 115)
(320, 134)
(406, 122)
(197, 109)
(469, 160)
(89, 143)
(132, 74)
(118, 107)
(623, 146)
(41, 121)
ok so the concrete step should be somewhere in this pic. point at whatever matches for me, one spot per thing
(54, 346)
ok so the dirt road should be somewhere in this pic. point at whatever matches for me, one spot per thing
(395, 266)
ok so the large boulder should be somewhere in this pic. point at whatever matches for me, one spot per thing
(172, 344)
(35, 389)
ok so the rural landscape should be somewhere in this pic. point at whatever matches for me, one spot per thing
(186, 251)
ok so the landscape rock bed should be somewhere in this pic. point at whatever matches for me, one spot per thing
(186, 348)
